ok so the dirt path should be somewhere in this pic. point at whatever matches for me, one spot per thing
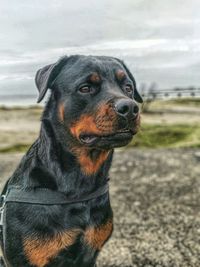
(155, 196)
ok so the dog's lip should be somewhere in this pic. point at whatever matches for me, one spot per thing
(87, 139)
(90, 138)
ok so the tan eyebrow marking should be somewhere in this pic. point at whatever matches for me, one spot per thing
(120, 75)
(61, 111)
(95, 78)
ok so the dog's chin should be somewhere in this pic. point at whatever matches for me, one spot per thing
(117, 139)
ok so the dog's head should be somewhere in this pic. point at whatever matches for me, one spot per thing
(96, 99)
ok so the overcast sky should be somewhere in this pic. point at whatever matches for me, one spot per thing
(160, 40)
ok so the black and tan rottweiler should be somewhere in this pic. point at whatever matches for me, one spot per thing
(91, 110)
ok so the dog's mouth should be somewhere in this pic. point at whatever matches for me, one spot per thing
(119, 136)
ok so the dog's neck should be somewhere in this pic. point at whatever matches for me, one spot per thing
(55, 165)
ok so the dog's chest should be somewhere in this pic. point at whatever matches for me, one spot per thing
(40, 252)
(85, 231)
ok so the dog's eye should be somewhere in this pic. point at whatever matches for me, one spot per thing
(129, 88)
(85, 89)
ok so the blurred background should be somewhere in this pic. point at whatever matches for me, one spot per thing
(155, 182)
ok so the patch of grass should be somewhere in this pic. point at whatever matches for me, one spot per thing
(186, 101)
(149, 136)
(160, 106)
(15, 148)
(157, 136)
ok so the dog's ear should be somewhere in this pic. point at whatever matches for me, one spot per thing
(137, 96)
(46, 75)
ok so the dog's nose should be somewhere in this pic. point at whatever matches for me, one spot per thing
(126, 108)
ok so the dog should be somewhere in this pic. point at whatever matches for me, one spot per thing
(92, 109)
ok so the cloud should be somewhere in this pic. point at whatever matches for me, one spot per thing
(157, 38)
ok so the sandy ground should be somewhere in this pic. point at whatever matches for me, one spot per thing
(155, 196)
(18, 126)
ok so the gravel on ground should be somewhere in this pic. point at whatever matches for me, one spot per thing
(155, 196)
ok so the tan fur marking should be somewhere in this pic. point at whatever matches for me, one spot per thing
(40, 251)
(86, 123)
(97, 236)
(101, 124)
(120, 74)
(90, 166)
(95, 78)
(61, 111)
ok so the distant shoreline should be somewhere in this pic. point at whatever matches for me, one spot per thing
(19, 101)
(29, 100)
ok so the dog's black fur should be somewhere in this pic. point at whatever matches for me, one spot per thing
(84, 119)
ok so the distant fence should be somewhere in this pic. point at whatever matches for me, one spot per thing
(152, 93)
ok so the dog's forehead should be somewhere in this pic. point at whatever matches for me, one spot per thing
(94, 64)
(99, 61)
